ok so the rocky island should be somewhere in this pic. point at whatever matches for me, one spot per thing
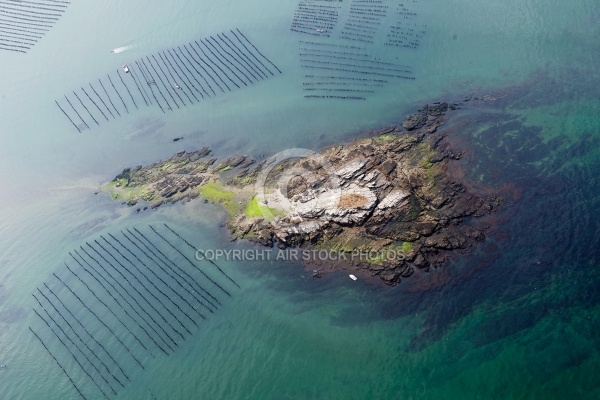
(389, 198)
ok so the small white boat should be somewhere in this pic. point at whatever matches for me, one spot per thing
(126, 68)
(353, 277)
(177, 86)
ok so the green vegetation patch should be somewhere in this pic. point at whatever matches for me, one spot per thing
(215, 192)
(255, 209)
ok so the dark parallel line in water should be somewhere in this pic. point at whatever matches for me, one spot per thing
(9, 28)
(189, 261)
(163, 282)
(167, 79)
(76, 112)
(225, 61)
(153, 285)
(58, 1)
(27, 21)
(118, 94)
(202, 253)
(108, 96)
(128, 294)
(331, 45)
(365, 28)
(170, 70)
(179, 60)
(159, 278)
(334, 97)
(94, 103)
(328, 54)
(207, 63)
(46, 3)
(13, 45)
(352, 65)
(355, 39)
(148, 81)
(22, 4)
(26, 9)
(240, 58)
(22, 27)
(189, 82)
(258, 51)
(361, 34)
(107, 307)
(356, 72)
(26, 41)
(239, 51)
(100, 320)
(202, 67)
(133, 287)
(80, 324)
(310, 32)
(191, 279)
(236, 57)
(16, 50)
(102, 101)
(86, 109)
(119, 303)
(251, 53)
(27, 25)
(67, 115)
(315, 10)
(151, 81)
(341, 84)
(154, 258)
(138, 83)
(345, 78)
(73, 355)
(161, 81)
(76, 334)
(337, 90)
(329, 18)
(76, 346)
(25, 13)
(128, 91)
(61, 367)
(216, 64)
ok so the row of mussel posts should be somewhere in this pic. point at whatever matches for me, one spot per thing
(345, 60)
(122, 300)
(170, 79)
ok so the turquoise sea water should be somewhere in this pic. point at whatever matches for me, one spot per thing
(516, 318)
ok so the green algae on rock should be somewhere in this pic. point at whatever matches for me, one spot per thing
(387, 201)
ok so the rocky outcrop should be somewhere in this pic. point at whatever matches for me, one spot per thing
(389, 194)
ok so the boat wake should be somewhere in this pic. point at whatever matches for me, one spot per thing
(120, 49)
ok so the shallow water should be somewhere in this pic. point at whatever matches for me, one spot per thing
(516, 318)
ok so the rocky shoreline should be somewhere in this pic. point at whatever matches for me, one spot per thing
(387, 204)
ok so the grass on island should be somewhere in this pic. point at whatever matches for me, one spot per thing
(255, 209)
(215, 192)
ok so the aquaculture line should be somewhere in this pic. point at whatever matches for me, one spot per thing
(343, 60)
(170, 79)
(122, 300)
(24, 23)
